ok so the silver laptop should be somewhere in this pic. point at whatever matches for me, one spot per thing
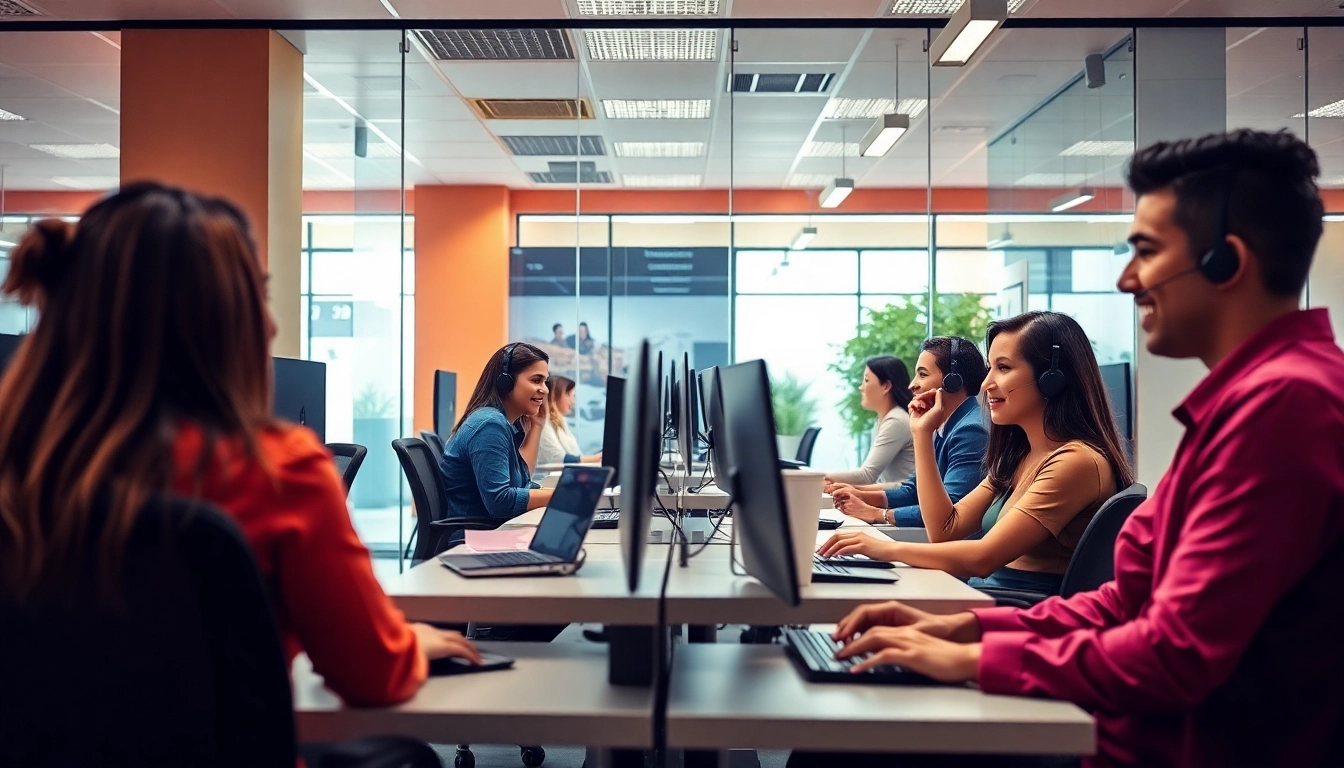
(559, 537)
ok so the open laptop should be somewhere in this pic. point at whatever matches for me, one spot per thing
(559, 537)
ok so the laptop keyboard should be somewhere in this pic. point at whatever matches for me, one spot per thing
(508, 559)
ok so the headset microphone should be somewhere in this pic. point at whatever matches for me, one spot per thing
(1161, 283)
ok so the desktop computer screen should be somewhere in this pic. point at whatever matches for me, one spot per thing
(9, 344)
(641, 444)
(612, 425)
(709, 389)
(445, 403)
(1116, 378)
(687, 429)
(760, 512)
(301, 393)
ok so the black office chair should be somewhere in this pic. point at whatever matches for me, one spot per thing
(1093, 561)
(806, 445)
(433, 526)
(184, 667)
(348, 457)
(433, 440)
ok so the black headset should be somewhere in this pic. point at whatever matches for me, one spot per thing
(1053, 381)
(952, 382)
(1220, 262)
(504, 381)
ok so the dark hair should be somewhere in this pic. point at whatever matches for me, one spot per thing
(1081, 412)
(970, 363)
(891, 370)
(154, 314)
(584, 326)
(559, 385)
(1274, 204)
(524, 356)
(556, 326)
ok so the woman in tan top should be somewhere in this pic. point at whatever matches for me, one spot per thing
(1054, 458)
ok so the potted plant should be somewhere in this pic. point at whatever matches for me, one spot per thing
(375, 428)
(794, 412)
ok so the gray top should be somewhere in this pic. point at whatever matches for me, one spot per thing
(892, 457)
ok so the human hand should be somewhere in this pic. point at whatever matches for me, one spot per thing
(859, 543)
(833, 487)
(542, 414)
(957, 627)
(914, 650)
(852, 505)
(927, 413)
(438, 643)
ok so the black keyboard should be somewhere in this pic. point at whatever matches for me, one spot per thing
(606, 519)
(852, 561)
(509, 559)
(814, 655)
(824, 571)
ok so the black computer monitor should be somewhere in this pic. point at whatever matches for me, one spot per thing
(445, 403)
(760, 511)
(687, 429)
(301, 393)
(9, 344)
(709, 388)
(1117, 381)
(612, 425)
(641, 443)
(673, 400)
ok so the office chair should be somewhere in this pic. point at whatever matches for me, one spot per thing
(348, 457)
(187, 667)
(806, 445)
(434, 442)
(1093, 561)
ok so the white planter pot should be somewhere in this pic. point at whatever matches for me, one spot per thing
(788, 446)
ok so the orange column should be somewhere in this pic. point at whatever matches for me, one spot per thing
(221, 112)
(461, 287)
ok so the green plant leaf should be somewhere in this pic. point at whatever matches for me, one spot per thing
(794, 410)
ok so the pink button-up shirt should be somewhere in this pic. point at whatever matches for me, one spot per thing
(1218, 642)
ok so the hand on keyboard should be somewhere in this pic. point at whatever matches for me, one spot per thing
(914, 650)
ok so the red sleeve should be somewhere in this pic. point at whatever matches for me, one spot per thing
(357, 640)
(1248, 506)
(1057, 616)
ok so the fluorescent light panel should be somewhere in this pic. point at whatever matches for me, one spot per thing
(884, 134)
(966, 31)
(79, 151)
(937, 7)
(804, 236)
(656, 109)
(6, 115)
(339, 150)
(1099, 149)
(659, 148)
(831, 149)
(648, 7)
(652, 44)
(661, 180)
(87, 182)
(871, 109)
(1072, 199)
(1334, 109)
(835, 192)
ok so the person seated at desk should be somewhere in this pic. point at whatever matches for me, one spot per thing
(486, 462)
(958, 445)
(147, 373)
(1217, 642)
(558, 443)
(884, 389)
(1054, 458)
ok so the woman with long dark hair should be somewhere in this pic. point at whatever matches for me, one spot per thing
(148, 372)
(558, 443)
(885, 390)
(1054, 457)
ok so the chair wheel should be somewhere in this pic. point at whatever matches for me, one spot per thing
(533, 756)
(464, 758)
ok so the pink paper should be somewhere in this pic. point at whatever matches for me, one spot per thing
(499, 540)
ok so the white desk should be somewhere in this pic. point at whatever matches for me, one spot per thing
(557, 693)
(725, 696)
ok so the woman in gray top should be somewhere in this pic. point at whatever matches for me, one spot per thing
(885, 389)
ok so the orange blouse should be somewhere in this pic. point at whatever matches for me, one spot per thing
(291, 507)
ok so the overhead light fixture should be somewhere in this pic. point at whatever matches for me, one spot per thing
(659, 148)
(79, 151)
(801, 239)
(835, 192)
(871, 109)
(7, 115)
(1334, 109)
(966, 31)
(661, 180)
(937, 7)
(652, 44)
(648, 7)
(1072, 199)
(1002, 241)
(1099, 149)
(656, 109)
(883, 135)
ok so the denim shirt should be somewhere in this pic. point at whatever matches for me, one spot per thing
(484, 475)
(960, 454)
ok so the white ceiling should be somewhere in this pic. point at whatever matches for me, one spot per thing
(67, 85)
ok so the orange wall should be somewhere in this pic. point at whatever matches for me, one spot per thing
(462, 287)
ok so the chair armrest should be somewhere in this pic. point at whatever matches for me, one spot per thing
(467, 524)
(1013, 598)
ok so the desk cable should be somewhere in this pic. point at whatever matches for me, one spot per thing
(666, 649)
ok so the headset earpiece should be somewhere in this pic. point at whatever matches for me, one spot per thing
(1220, 263)
(504, 381)
(1053, 381)
(952, 381)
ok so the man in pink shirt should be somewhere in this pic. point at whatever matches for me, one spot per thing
(1217, 644)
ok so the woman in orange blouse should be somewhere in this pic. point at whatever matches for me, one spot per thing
(148, 372)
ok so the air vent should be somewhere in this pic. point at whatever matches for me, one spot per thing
(496, 44)
(533, 109)
(564, 172)
(555, 146)
(12, 8)
(786, 83)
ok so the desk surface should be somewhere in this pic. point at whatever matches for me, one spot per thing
(727, 695)
(557, 693)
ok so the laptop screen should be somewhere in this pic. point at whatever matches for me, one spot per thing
(570, 512)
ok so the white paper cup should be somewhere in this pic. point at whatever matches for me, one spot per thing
(801, 489)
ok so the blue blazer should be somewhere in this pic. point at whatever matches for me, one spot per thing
(961, 462)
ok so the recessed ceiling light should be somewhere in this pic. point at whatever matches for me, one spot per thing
(810, 180)
(337, 150)
(661, 180)
(652, 44)
(871, 109)
(831, 149)
(87, 182)
(1052, 179)
(656, 109)
(79, 151)
(1334, 109)
(937, 7)
(1099, 149)
(648, 7)
(659, 148)
(7, 115)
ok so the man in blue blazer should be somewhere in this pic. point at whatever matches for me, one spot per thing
(959, 444)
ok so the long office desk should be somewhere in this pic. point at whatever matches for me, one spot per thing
(725, 696)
